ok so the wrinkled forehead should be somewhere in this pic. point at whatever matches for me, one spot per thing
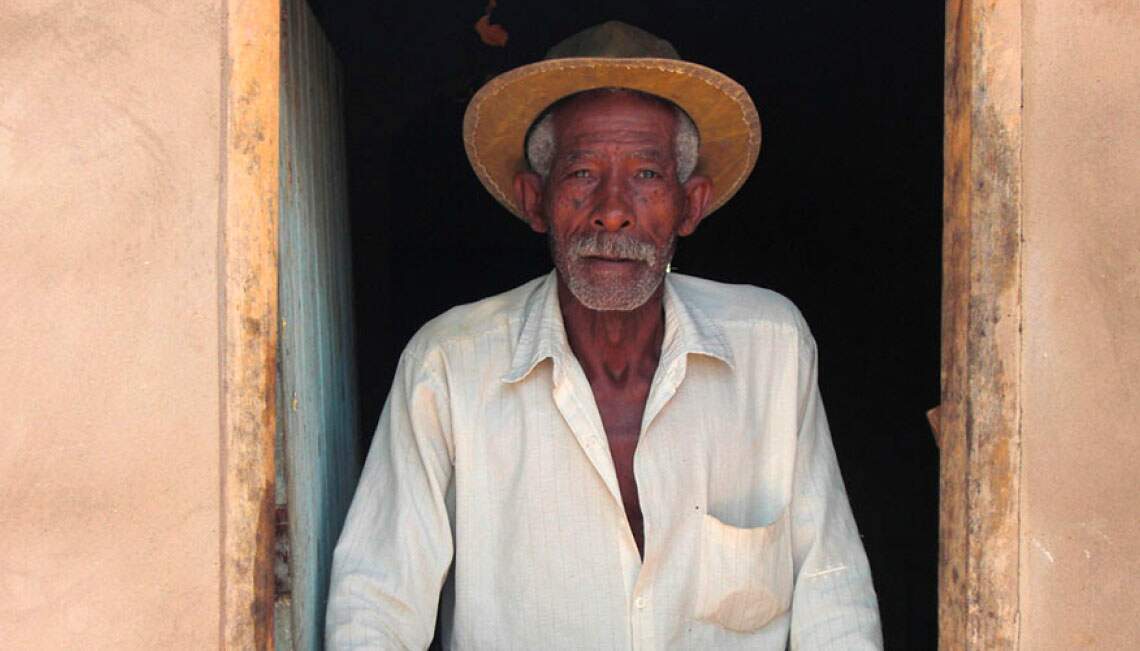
(618, 115)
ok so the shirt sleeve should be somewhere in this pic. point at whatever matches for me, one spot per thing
(396, 546)
(834, 604)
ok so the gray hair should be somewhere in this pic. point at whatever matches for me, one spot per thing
(540, 143)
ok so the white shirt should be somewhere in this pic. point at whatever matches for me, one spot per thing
(490, 460)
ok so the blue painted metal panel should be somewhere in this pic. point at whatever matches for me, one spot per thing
(318, 406)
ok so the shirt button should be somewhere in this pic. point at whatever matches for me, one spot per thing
(640, 602)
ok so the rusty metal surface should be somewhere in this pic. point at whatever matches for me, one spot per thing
(319, 414)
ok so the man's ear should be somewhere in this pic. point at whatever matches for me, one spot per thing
(528, 196)
(698, 190)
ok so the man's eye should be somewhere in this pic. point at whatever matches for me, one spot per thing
(647, 174)
(580, 174)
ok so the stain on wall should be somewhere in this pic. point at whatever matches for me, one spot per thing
(109, 412)
(1081, 315)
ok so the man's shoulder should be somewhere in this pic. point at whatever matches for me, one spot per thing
(738, 305)
(498, 314)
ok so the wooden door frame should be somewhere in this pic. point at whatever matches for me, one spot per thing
(248, 330)
(978, 420)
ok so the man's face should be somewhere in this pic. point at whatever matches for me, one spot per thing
(612, 205)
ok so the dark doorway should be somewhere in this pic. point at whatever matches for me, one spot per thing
(842, 214)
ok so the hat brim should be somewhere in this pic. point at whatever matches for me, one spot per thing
(499, 115)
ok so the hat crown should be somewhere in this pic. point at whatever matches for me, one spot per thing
(613, 39)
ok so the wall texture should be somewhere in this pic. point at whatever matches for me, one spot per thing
(109, 412)
(1080, 531)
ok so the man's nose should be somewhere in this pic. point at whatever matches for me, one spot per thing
(614, 211)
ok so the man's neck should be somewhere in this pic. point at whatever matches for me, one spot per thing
(617, 348)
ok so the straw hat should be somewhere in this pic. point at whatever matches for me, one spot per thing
(611, 55)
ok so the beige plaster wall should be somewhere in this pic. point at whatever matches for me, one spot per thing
(109, 407)
(1080, 511)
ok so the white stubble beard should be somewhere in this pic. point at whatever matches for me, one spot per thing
(598, 294)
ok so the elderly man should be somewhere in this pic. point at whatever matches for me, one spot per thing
(611, 456)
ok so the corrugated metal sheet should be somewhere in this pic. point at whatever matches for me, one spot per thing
(318, 409)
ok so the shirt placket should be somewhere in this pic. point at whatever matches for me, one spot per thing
(574, 401)
(642, 608)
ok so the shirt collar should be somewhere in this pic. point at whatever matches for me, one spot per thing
(543, 333)
(688, 329)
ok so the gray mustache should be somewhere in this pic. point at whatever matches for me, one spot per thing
(609, 245)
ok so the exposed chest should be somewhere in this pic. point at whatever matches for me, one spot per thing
(621, 412)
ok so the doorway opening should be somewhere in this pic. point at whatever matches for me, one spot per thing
(843, 214)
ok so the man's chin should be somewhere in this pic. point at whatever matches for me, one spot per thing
(610, 304)
(605, 293)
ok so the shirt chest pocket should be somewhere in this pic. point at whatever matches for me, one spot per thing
(745, 577)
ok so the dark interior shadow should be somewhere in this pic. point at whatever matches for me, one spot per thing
(842, 215)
